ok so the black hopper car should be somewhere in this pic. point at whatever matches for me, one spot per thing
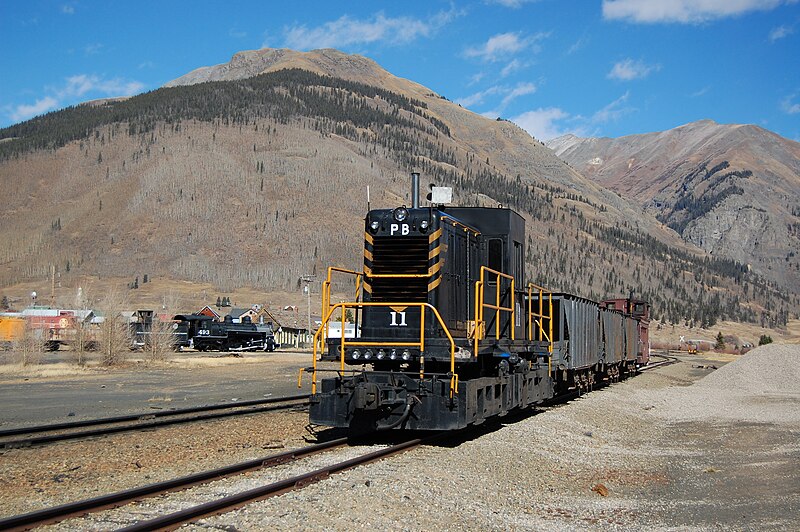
(451, 334)
(204, 333)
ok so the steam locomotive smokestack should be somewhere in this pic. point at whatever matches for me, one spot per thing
(415, 190)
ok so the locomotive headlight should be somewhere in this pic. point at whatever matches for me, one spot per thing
(381, 354)
(367, 354)
(393, 354)
(356, 354)
(374, 225)
(406, 354)
(401, 214)
(423, 225)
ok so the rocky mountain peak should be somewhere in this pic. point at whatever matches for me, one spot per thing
(731, 189)
(250, 63)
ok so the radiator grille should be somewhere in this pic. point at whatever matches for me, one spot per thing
(400, 256)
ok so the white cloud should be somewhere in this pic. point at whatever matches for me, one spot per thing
(511, 3)
(512, 67)
(521, 89)
(68, 9)
(23, 112)
(789, 107)
(629, 69)
(478, 97)
(613, 111)
(509, 95)
(475, 78)
(503, 45)
(81, 84)
(347, 31)
(780, 32)
(682, 11)
(701, 92)
(542, 123)
(577, 45)
(75, 89)
(551, 122)
(93, 49)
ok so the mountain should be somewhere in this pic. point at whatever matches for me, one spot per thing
(254, 173)
(732, 190)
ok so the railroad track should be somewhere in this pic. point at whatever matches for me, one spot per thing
(667, 361)
(219, 505)
(42, 434)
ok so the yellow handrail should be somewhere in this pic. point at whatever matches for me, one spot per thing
(542, 316)
(326, 294)
(421, 344)
(480, 305)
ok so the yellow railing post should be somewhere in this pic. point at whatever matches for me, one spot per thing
(513, 310)
(481, 304)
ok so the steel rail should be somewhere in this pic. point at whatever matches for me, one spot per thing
(232, 502)
(668, 361)
(113, 500)
(235, 409)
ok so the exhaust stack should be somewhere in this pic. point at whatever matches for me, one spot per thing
(415, 190)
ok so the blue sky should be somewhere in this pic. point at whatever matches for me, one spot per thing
(588, 67)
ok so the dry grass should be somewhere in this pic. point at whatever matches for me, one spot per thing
(13, 372)
(669, 336)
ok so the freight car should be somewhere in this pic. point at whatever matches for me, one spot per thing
(450, 335)
(12, 330)
(206, 334)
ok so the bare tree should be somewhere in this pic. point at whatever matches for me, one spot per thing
(29, 347)
(115, 338)
(85, 339)
(161, 341)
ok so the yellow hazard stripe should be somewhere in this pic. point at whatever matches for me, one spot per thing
(433, 237)
(434, 252)
(433, 284)
(435, 268)
(368, 237)
(368, 254)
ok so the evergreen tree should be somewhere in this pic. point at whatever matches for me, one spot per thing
(720, 342)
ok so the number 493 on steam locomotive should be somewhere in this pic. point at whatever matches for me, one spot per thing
(451, 335)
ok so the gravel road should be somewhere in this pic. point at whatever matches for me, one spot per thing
(681, 447)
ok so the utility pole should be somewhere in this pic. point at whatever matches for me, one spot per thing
(307, 279)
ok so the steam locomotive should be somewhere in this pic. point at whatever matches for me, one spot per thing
(450, 335)
(206, 334)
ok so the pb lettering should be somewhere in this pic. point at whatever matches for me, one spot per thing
(403, 229)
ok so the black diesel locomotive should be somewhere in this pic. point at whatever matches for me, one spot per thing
(449, 333)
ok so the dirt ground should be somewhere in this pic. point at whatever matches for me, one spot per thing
(62, 391)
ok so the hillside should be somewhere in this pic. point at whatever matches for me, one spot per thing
(733, 190)
(254, 173)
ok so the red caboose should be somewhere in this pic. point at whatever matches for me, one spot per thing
(52, 326)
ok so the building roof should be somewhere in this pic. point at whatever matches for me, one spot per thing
(294, 319)
(237, 312)
(209, 311)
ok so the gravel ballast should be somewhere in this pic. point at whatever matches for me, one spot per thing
(679, 447)
(654, 451)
